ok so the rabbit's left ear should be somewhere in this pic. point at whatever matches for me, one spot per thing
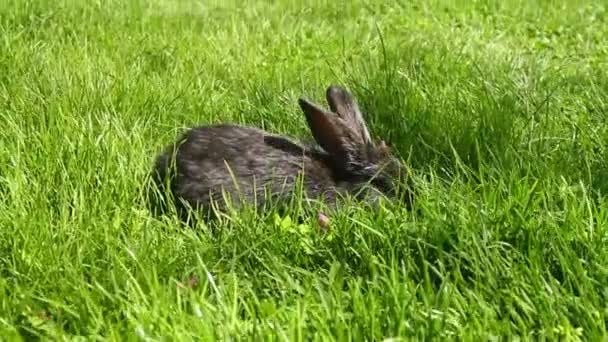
(344, 104)
(329, 130)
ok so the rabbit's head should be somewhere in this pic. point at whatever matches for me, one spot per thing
(355, 158)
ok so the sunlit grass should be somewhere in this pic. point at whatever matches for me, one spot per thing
(500, 111)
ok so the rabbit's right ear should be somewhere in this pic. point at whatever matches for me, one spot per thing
(343, 103)
(328, 129)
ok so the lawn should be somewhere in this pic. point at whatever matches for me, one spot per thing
(499, 110)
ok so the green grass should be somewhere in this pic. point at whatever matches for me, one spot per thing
(499, 109)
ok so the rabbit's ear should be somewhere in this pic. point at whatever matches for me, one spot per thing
(328, 129)
(343, 103)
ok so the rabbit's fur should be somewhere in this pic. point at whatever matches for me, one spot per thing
(252, 165)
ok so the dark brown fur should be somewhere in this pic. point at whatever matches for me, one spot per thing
(255, 166)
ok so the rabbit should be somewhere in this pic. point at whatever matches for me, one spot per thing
(253, 165)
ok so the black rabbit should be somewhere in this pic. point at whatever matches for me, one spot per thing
(255, 166)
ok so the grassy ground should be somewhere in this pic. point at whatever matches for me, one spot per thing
(499, 109)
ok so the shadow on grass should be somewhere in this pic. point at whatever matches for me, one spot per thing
(442, 113)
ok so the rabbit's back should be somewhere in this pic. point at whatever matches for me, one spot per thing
(246, 163)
